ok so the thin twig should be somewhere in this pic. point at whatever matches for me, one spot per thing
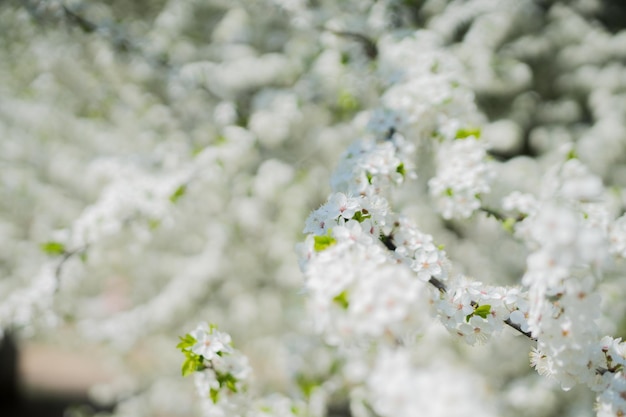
(371, 50)
(517, 327)
(438, 284)
(493, 213)
(83, 23)
(387, 240)
(66, 256)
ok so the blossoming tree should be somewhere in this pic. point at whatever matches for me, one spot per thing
(472, 151)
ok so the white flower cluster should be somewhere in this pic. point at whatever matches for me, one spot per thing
(428, 97)
(355, 289)
(570, 237)
(565, 226)
(221, 373)
(611, 401)
(367, 269)
(475, 311)
(188, 142)
(462, 177)
(369, 166)
(418, 250)
(354, 243)
(340, 208)
(222, 377)
(426, 84)
(434, 389)
(617, 237)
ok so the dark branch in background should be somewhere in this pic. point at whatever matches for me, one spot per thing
(506, 221)
(390, 133)
(369, 46)
(67, 255)
(79, 20)
(387, 240)
(493, 213)
(114, 34)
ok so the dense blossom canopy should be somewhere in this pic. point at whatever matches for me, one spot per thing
(372, 208)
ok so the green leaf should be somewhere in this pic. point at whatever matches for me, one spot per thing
(449, 192)
(465, 133)
(53, 248)
(227, 380)
(400, 169)
(214, 395)
(509, 224)
(231, 383)
(186, 342)
(434, 68)
(572, 154)
(483, 310)
(369, 177)
(323, 242)
(180, 191)
(190, 365)
(306, 384)
(360, 216)
(342, 300)
(347, 102)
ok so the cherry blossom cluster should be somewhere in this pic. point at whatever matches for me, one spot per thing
(484, 196)
(462, 176)
(221, 373)
(222, 377)
(566, 227)
(571, 237)
(396, 380)
(350, 258)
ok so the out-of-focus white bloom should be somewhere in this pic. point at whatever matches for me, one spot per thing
(503, 136)
(617, 237)
(25, 305)
(277, 406)
(274, 113)
(462, 176)
(397, 388)
(205, 381)
(579, 183)
(520, 202)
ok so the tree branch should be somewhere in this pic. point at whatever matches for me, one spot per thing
(369, 46)
(79, 20)
(387, 240)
